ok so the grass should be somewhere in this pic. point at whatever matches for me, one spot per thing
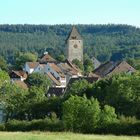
(59, 136)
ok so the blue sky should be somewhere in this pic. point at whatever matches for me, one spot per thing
(70, 11)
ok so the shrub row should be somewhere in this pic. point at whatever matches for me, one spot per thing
(41, 125)
(120, 128)
(117, 128)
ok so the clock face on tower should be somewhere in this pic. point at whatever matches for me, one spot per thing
(75, 46)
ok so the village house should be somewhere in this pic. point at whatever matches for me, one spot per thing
(62, 74)
(46, 58)
(18, 75)
(55, 74)
(110, 68)
(29, 67)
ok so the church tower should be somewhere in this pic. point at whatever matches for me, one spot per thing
(74, 44)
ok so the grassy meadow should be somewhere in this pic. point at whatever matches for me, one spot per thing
(59, 136)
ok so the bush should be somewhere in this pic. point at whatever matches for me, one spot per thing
(16, 125)
(46, 124)
(119, 128)
(41, 124)
(2, 127)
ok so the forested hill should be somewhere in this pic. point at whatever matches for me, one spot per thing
(102, 41)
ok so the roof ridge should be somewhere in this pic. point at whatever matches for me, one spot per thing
(74, 34)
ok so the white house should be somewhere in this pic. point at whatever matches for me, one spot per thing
(40, 68)
(55, 74)
(29, 67)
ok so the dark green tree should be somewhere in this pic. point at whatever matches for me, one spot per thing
(38, 80)
(3, 64)
(78, 64)
(22, 58)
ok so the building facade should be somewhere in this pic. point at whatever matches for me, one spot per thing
(74, 45)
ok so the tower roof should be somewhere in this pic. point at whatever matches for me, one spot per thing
(74, 35)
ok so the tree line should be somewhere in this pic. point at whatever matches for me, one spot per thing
(105, 42)
(110, 105)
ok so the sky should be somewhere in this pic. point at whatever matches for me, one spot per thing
(70, 12)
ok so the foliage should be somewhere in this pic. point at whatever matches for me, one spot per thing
(81, 114)
(14, 100)
(135, 63)
(88, 65)
(61, 58)
(3, 64)
(79, 88)
(78, 64)
(101, 41)
(108, 115)
(4, 78)
(38, 80)
(22, 58)
(46, 124)
(120, 91)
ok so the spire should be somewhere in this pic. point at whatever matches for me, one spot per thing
(74, 35)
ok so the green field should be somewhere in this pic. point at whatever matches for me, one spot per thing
(59, 136)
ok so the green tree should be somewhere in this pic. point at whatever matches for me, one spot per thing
(14, 100)
(61, 58)
(4, 78)
(3, 64)
(38, 80)
(108, 115)
(81, 114)
(78, 64)
(79, 88)
(121, 92)
(22, 58)
(88, 66)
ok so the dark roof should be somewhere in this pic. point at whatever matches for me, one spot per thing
(104, 69)
(74, 35)
(54, 91)
(110, 68)
(122, 67)
(18, 74)
(69, 69)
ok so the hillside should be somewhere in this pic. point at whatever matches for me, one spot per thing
(102, 41)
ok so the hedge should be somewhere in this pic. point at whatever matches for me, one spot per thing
(46, 124)
(41, 125)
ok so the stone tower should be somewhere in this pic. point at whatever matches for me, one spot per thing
(74, 44)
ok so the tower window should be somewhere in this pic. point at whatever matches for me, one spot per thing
(73, 37)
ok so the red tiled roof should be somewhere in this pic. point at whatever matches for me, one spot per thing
(53, 79)
(32, 65)
(122, 67)
(19, 73)
(47, 58)
(57, 69)
(69, 68)
(110, 68)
